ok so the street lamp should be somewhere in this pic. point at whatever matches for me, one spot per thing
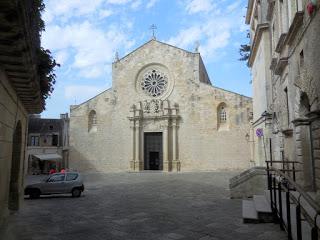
(267, 117)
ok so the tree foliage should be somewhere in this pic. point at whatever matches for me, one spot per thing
(46, 64)
(245, 50)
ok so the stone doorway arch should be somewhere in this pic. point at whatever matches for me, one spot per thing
(13, 203)
(304, 151)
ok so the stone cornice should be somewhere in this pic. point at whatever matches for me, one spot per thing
(19, 40)
(301, 122)
(256, 41)
(154, 117)
(281, 42)
(281, 64)
(249, 11)
(294, 27)
(287, 132)
(314, 115)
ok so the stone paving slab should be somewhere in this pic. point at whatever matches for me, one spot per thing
(138, 206)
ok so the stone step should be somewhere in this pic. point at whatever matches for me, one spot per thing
(263, 208)
(261, 204)
(305, 226)
(249, 213)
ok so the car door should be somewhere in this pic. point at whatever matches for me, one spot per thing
(71, 181)
(55, 184)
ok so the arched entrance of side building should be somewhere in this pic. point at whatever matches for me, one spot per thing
(13, 201)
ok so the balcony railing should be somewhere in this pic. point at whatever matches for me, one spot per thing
(285, 193)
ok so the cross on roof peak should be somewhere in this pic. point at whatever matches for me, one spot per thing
(153, 27)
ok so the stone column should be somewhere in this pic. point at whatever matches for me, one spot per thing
(165, 150)
(174, 140)
(132, 162)
(132, 132)
(314, 118)
(175, 160)
(137, 146)
(304, 152)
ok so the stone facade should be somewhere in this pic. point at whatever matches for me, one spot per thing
(291, 43)
(22, 90)
(13, 126)
(161, 89)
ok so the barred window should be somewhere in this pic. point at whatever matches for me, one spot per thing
(222, 115)
(92, 119)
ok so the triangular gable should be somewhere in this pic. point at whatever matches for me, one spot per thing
(159, 42)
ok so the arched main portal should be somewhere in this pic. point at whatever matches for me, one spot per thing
(15, 168)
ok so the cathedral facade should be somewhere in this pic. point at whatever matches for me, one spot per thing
(161, 113)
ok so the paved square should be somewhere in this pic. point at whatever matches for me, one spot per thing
(148, 205)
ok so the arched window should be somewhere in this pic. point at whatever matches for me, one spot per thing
(222, 116)
(92, 120)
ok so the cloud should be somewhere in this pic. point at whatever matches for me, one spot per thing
(196, 6)
(186, 37)
(64, 10)
(93, 48)
(118, 2)
(61, 57)
(213, 35)
(104, 13)
(81, 92)
(214, 30)
(151, 3)
(234, 6)
(136, 4)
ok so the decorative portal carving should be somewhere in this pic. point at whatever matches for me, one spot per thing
(153, 107)
(154, 83)
(157, 116)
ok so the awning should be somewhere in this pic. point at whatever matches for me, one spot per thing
(48, 157)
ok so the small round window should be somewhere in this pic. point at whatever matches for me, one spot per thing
(154, 83)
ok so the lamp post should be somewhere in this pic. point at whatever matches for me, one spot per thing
(268, 119)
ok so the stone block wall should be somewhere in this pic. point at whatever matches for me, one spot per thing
(12, 115)
(316, 151)
(202, 144)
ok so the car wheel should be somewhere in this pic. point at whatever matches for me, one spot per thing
(34, 193)
(76, 192)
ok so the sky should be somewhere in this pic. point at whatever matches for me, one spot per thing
(84, 36)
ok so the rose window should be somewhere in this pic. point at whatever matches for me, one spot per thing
(154, 83)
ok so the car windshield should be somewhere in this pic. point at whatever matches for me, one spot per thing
(45, 179)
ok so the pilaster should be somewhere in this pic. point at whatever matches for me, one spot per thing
(165, 150)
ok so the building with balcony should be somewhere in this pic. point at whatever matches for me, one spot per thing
(24, 85)
(284, 59)
(48, 142)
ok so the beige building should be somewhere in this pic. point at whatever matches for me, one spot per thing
(22, 92)
(48, 144)
(285, 44)
(162, 113)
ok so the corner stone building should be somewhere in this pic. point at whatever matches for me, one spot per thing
(20, 95)
(162, 113)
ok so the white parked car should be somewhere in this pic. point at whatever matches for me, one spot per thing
(68, 182)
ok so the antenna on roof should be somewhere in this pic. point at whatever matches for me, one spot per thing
(153, 27)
